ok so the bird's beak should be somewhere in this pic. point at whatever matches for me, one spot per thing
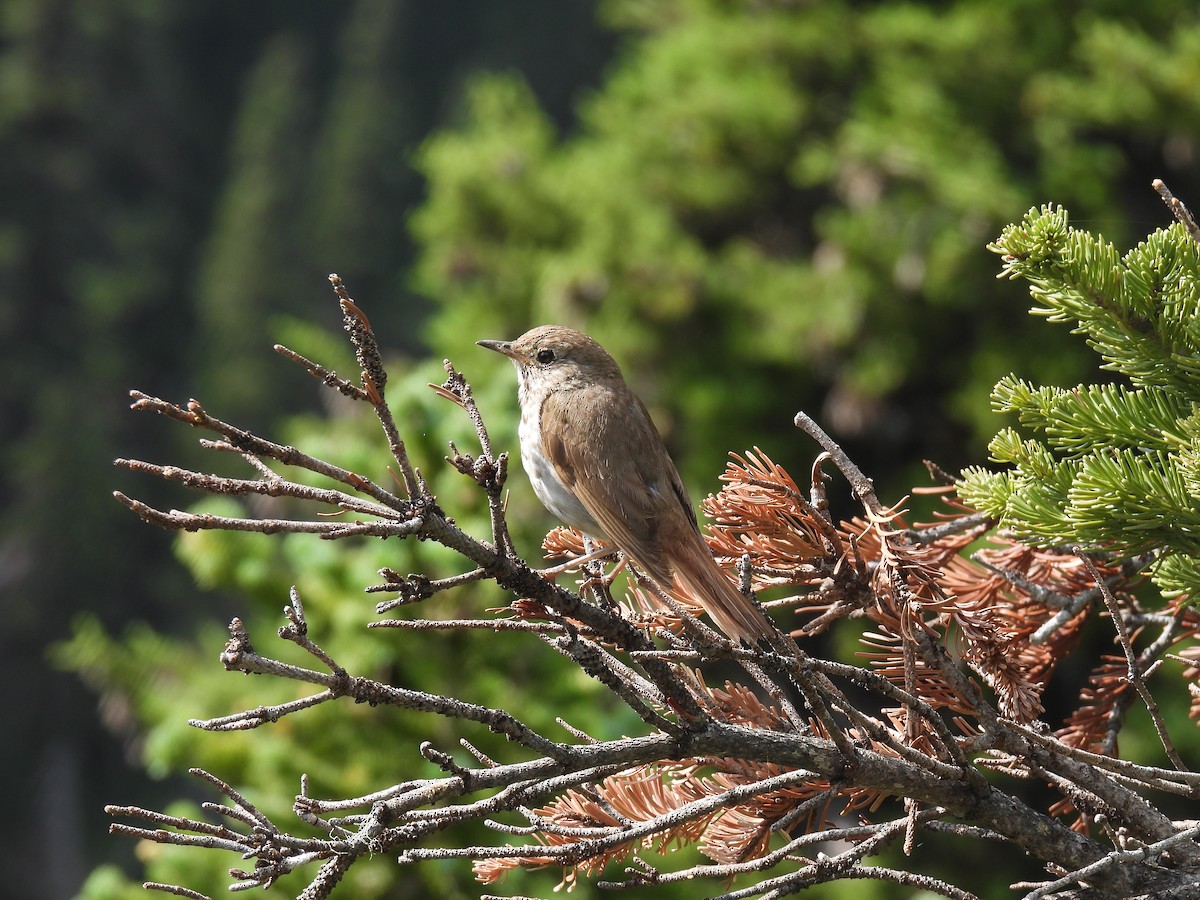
(504, 347)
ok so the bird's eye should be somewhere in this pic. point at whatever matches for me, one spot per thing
(545, 356)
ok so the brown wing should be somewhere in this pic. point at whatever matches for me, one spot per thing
(627, 487)
(634, 493)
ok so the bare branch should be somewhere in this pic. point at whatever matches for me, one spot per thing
(374, 378)
(325, 376)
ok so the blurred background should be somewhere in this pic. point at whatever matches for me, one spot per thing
(756, 206)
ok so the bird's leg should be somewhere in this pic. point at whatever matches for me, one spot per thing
(591, 552)
(594, 577)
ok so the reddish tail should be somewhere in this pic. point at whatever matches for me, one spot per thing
(734, 613)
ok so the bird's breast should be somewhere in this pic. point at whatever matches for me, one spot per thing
(550, 489)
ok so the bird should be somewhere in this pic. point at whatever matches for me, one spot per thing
(598, 464)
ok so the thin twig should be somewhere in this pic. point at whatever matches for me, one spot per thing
(374, 377)
(325, 376)
(860, 484)
(1182, 214)
(1088, 873)
(1137, 666)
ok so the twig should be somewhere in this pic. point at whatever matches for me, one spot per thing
(959, 524)
(1088, 873)
(175, 889)
(374, 377)
(325, 376)
(270, 486)
(1179, 782)
(1137, 666)
(860, 484)
(1182, 214)
(175, 520)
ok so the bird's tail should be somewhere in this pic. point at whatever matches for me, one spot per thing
(734, 613)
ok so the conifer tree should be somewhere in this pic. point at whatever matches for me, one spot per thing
(1112, 467)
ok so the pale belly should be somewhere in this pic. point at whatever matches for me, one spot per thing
(554, 495)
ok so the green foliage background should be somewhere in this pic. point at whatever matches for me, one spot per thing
(756, 206)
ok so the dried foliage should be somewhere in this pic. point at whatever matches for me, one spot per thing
(797, 754)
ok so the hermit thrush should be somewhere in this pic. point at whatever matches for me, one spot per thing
(597, 462)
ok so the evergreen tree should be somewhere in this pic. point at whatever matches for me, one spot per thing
(1115, 466)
